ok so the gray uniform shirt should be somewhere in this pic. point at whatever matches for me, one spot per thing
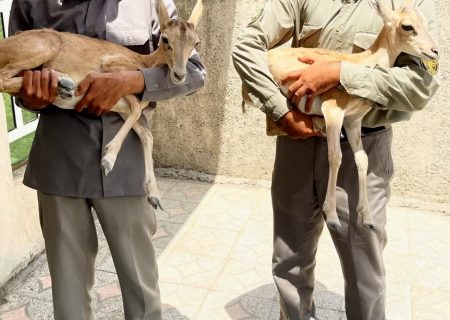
(66, 152)
(343, 25)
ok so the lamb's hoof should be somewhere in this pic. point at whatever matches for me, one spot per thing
(333, 223)
(370, 225)
(107, 165)
(155, 203)
(66, 88)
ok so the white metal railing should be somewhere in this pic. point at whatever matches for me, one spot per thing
(21, 129)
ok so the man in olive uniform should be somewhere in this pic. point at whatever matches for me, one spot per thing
(300, 173)
(64, 163)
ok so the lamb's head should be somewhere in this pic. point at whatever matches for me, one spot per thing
(408, 29)
(178, 39)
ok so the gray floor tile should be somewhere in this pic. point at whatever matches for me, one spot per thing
(172, 313)
(328, 314)
(248, 307)
(40, 309)
(328, 300)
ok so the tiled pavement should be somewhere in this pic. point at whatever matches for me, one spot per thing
(214, 252)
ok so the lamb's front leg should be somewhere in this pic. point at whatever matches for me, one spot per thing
(334, 117)
(113, 147)
(353, 130)
(146, 137)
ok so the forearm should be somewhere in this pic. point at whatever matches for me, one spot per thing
(275, 26)
(251, 64)
(158, 85)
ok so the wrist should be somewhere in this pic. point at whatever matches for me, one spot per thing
(135, 82)
(29, 105)
(285, 119)
(336, 72)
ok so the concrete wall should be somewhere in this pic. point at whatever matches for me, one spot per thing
(20, 235)
(207, 132)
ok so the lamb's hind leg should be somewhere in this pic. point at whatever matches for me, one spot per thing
(352, 127)
(32, 58)
(113, 147)
(146, 137)
(334, 118)
(7, 82)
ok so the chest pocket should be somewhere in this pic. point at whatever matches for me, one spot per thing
(309, 36)
(129, 24)
(363, 41)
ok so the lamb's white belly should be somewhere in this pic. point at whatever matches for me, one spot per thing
(316, 108)
(70, 103)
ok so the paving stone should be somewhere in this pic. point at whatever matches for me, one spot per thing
(328, 300)
(176, 210)
(328, 314)
(112, 306)
(40, 309)
(165, 233)
(268, 291)
(248, 307)
(274, 311)
(172, 313)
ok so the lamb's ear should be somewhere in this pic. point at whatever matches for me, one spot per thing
(196, 13)
(408, 4)
(383, 11)
(163, 15)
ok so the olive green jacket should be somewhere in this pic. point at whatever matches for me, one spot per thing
(346, 26)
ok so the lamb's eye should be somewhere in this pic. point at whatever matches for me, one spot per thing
(407, 27)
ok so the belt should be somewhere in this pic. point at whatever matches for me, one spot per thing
(364, 131)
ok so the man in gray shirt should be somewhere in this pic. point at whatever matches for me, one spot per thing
(65, 156)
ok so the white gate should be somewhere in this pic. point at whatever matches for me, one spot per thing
(20, 129)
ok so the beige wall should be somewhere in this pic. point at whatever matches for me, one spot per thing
(208, 133)
(20, 236)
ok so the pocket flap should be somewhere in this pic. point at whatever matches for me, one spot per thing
(364, 40)
(309, 36)
(129, 37)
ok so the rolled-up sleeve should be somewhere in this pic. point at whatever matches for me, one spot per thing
(406, 87)
(274, 26)
(396, 91)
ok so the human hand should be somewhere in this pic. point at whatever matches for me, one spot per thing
(103, 90)
(39, 88)
(319, 77)
(298, 125)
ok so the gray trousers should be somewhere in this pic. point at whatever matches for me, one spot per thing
(71, 245)
(299, 186)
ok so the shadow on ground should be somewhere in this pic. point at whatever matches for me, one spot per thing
(263, 303)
